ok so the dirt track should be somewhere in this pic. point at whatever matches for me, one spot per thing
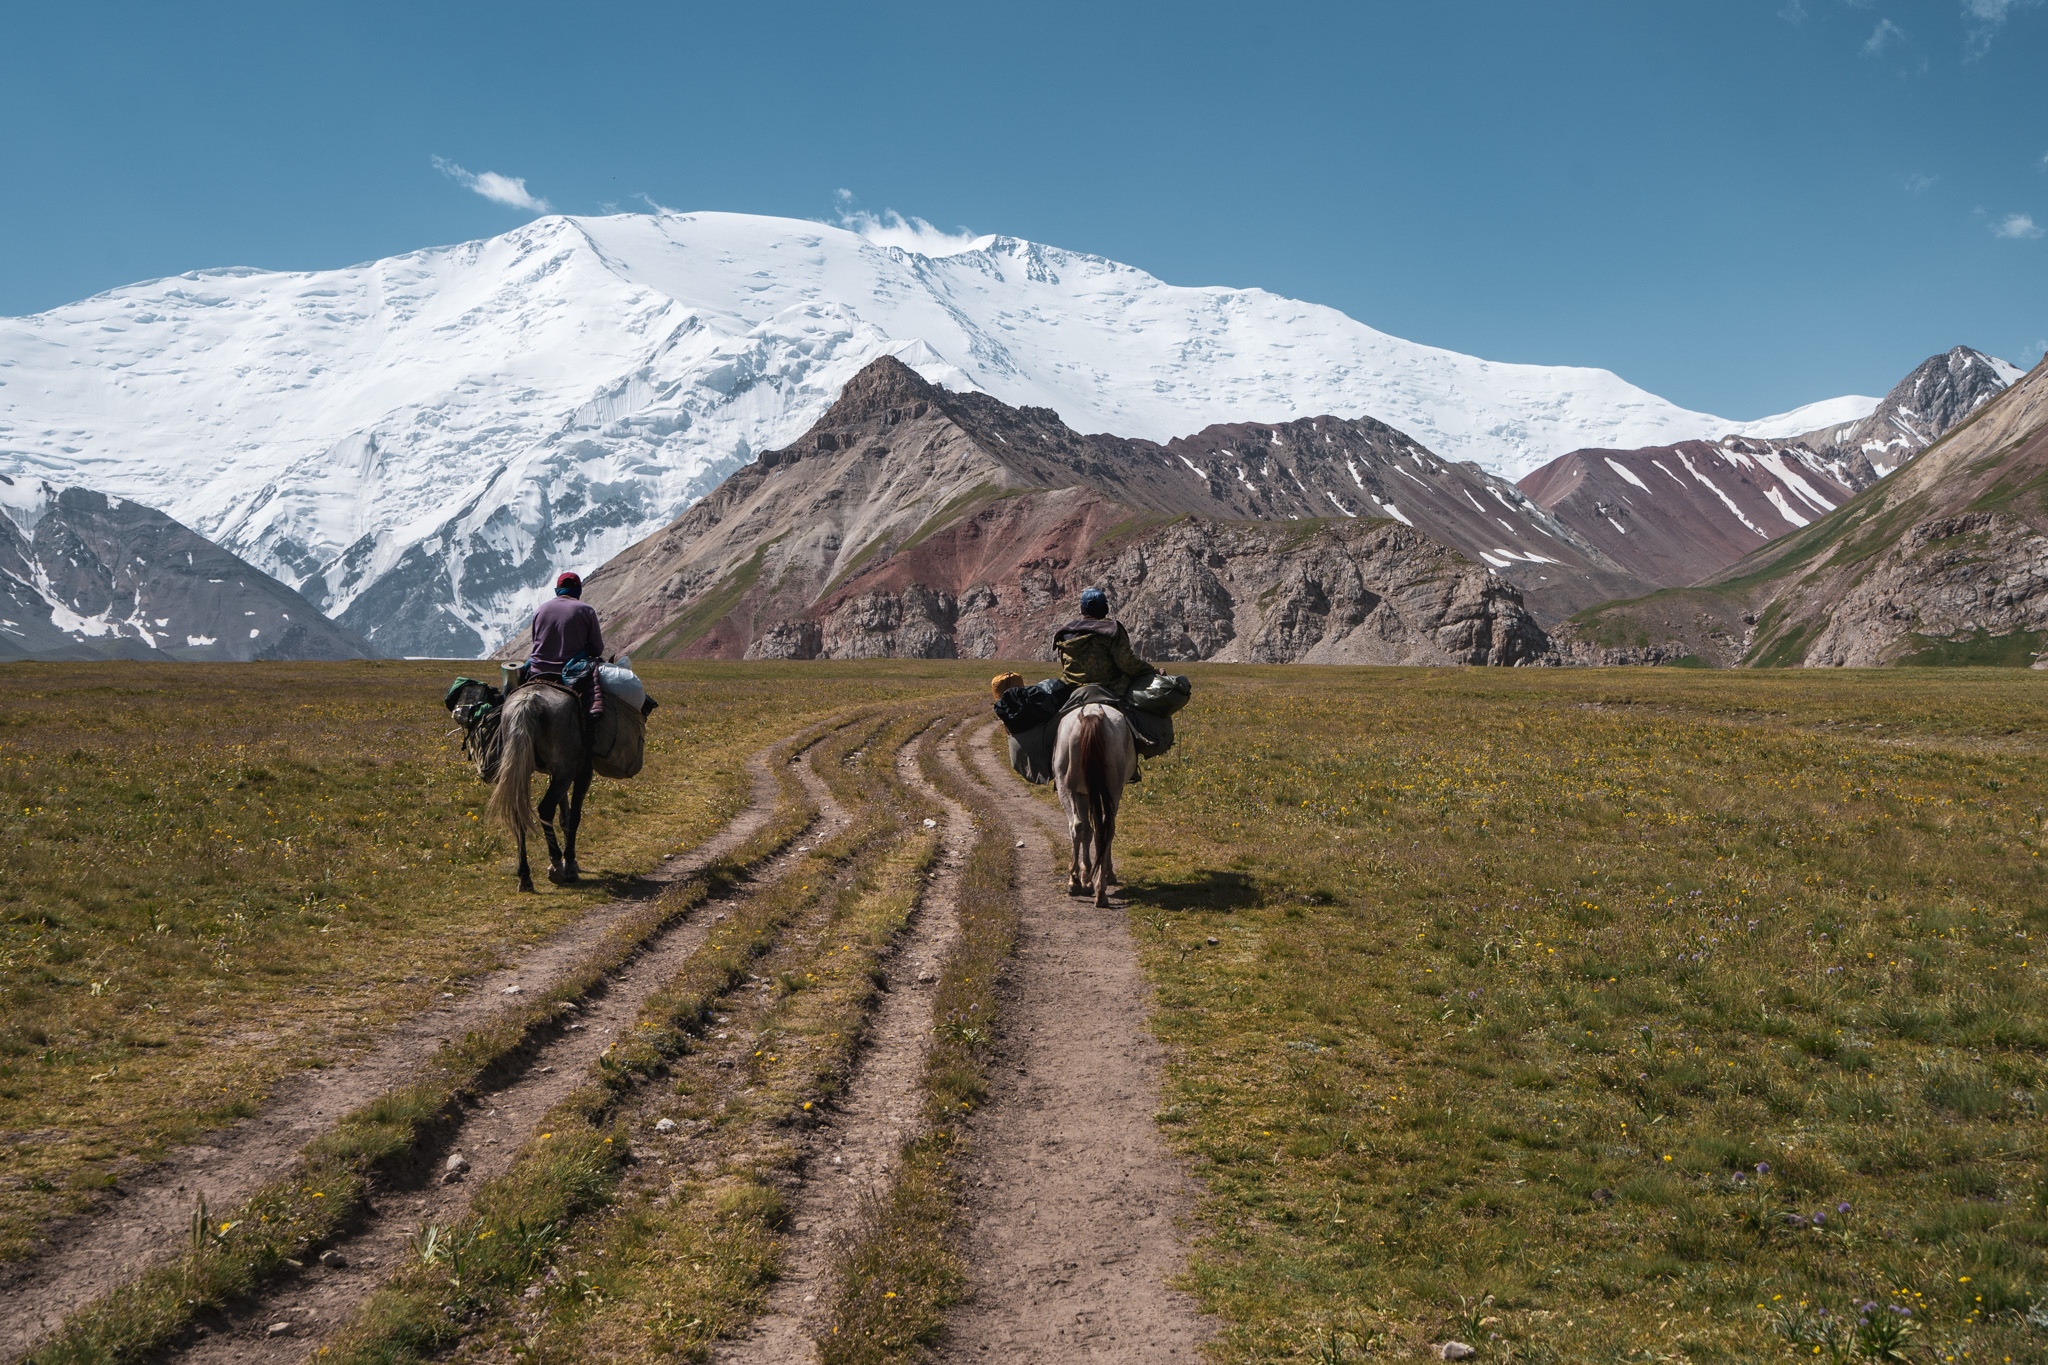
(851, 1156)
(1074, 1204)
(1073, 1210)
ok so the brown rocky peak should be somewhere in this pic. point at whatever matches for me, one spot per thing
(883, 384)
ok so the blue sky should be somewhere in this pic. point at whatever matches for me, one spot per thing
(1742, 205)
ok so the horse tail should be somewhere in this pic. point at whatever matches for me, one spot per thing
(510, 800)
(1092, 740)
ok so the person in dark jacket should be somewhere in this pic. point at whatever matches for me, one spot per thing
(1095, 649)
(564, 630)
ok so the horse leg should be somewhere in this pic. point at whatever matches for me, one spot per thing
(572, 820)
(1105, 871)
(1077, 834)
(550, 803)
(525, 872)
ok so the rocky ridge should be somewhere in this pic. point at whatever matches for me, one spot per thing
(86, 576)
(916, 522)
(1945, 561)
(1941, 392)
(1672, 515)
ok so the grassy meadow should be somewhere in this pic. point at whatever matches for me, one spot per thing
(1645, 1015)
(1578, 1015)
(211, 877)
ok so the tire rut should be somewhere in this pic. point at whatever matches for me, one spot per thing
(292, 1318)
(146, 1217)
(1073, 1202)
(851, 1156)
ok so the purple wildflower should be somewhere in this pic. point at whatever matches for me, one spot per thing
(1763, 1168)
(1841, 1208)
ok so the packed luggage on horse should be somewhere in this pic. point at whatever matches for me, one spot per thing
(565, 712)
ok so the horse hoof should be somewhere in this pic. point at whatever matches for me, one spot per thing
(1077, 891)
(526, 888)
(563, 876)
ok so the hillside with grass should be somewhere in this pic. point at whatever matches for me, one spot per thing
(1945, 562)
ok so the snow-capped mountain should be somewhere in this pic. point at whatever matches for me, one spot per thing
(417, 443)
(86, 576)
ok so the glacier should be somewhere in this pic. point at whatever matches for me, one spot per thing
(418, 443)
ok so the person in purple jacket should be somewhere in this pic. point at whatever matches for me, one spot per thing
(564, 630)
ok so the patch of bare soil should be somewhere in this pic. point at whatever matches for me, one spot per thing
(290, 1320)
(1074, 1204)
(849, 1157)
(147, 1217)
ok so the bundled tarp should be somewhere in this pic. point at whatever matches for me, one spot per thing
(1026, 708)
(1162, 694)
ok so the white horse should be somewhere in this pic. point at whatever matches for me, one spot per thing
(1092, 758)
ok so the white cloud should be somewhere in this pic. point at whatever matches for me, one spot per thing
(2044, 161)
(890, 228)
(649, 201)
(2016, 227)
(1920, 184)
(1986, 17)
(1886, 32)
(509, 190)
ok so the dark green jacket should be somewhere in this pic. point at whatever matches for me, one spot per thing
(1093, 651)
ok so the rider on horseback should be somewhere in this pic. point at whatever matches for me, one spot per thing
(565, 629)
(1095, 649)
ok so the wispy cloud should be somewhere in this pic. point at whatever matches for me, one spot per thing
(1920, 184)
(890, 228)
(1882, 36)
(650, 202)
(509, 190)
(2016, 227)
(1985, 18)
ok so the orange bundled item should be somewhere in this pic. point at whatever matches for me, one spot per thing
(1002, 683)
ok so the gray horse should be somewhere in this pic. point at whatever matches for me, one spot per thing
(1092, 759)
(542, 728)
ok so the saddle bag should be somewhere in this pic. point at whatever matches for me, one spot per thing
(1026, 708)
(477, 708)
(1153, 734)
(618, 743)
(1031, 753)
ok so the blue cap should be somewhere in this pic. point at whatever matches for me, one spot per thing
(1095, 602)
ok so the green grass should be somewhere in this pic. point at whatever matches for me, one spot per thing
(211, 878)
(1521, 977)
(1979, 650)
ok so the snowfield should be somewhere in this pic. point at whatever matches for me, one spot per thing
(418, 443)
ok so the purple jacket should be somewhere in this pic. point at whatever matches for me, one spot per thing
(562, 629)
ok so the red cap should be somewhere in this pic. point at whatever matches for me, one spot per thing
(568, 580)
